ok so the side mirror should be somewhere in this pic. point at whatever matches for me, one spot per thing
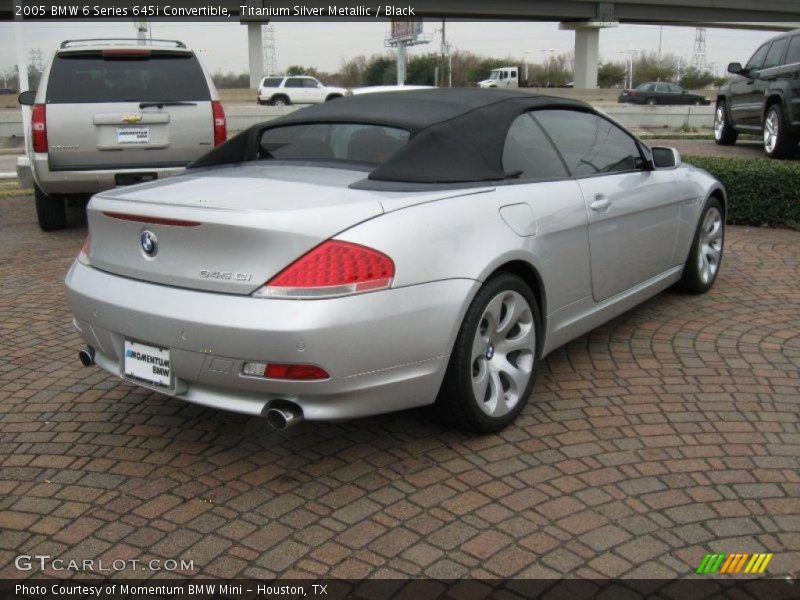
(665, 158)
(27, 98)
(735, 68)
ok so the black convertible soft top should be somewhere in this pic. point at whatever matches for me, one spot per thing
(457, 135)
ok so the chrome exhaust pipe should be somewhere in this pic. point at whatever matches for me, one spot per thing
(86, 356)
(283, 417)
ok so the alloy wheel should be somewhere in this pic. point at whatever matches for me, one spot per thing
(710, 245)
(771, 131)
(719, 122)
(503, 352)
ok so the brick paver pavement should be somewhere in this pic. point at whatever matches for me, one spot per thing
(668, 432)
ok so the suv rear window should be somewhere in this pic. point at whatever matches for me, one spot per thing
(89, 77)
(356, 142)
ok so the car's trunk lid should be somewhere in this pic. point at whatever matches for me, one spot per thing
(228, 229)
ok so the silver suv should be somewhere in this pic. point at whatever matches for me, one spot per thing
(116, 112)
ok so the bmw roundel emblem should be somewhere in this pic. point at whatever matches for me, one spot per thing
(149, 243)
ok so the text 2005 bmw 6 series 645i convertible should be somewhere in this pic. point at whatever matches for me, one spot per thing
(388, 251)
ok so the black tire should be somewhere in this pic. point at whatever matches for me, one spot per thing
(457, 404)
(280, 101)
(697, 103)
(260, 102)
(693, 280)
(785, 143)
(651, 102)
(724, 133)
(332, 97)
(50, 210)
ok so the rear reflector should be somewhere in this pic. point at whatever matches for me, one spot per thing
(220, 123)
(83, 255)
(285, 371)
(334, 268)
(39, 127)
(151, 220)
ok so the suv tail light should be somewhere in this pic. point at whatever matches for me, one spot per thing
(39, 127)
(220, 125)
(334, 268)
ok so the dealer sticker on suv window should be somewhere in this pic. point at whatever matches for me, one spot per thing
(147, 363)
(133, 135)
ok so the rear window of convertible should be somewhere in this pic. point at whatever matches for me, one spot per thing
(355, 142)
(89, 77)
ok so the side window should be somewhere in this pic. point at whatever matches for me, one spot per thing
(528, 150)
(775, 54)
(757, 59)
(293, 82)
(793, 56)
(663, 88)
(310, 83)
(513, 74)
(675, 88)
(590, 144)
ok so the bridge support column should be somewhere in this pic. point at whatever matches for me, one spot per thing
(255, 54)
(587, 51)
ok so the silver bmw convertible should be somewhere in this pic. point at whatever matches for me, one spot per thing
(389, 251)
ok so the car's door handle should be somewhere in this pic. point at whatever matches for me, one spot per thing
(600, 203)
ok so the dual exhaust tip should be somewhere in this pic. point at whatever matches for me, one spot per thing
(279, 417)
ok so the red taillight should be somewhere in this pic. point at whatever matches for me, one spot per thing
(296, 372)
(220, 125)
(83, 255)
(333, 268)
(39, 127)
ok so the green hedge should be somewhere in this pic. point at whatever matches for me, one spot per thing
(761, 192)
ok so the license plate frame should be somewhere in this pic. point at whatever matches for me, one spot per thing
(144, 364)
(133, 136)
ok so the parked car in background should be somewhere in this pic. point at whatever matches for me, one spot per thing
(661, 92)
(387, 251)
(763, 97)
(503, 77)
(282, 91)
(112, 112)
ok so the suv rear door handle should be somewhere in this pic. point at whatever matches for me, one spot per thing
(601, 203)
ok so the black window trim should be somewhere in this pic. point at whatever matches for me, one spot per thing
(766, 45)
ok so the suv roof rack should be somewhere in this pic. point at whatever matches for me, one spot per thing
(120, 42)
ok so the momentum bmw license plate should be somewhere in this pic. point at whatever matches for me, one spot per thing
(133, 135)
(147, 364)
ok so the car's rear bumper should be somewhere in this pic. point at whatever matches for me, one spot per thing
(89, 181)
(384, 351)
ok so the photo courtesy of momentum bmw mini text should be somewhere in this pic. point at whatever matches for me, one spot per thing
(436, 299)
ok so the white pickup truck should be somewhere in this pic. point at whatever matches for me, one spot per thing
(502, 77)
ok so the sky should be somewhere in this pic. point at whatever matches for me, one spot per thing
(325, 45)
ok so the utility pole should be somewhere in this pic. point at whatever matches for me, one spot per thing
(443, 50)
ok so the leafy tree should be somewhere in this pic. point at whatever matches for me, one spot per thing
(695, 79)
(380, 70)
(649, 67)
(611, 75)
(421, 69)
(300, 70)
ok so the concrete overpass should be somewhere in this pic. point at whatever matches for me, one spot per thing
(585, 17)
